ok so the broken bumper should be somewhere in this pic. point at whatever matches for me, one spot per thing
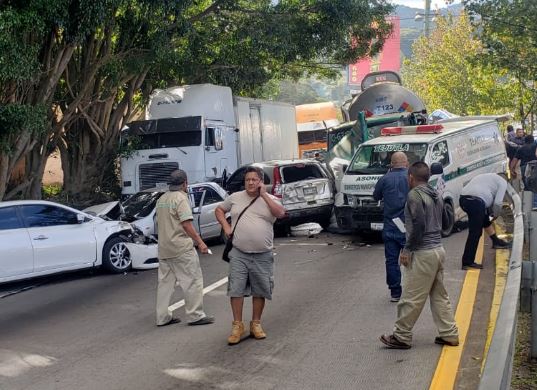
(359, 218)
(143, 256)
(313, 214)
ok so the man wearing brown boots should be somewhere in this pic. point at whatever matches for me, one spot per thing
(253, 213)
(423, 265)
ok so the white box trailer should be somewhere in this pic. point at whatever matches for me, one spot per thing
(207, 132)
(267, 130)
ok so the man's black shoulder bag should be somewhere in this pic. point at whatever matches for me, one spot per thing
(229, 243)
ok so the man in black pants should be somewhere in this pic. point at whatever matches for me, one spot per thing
(483, 193)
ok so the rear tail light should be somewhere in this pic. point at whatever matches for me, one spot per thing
(277, 186)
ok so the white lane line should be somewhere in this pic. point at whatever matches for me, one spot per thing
(206, 290)
(304, 244)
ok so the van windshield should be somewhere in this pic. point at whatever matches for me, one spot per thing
(375, 159)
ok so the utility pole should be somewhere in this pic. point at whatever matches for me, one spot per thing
(427, 18)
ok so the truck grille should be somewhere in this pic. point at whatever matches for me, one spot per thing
(151, 174)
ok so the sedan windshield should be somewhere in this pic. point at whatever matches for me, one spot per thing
(140, 205)
(375, 159)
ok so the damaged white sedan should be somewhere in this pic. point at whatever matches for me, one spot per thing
(40, 238)
(140, 211)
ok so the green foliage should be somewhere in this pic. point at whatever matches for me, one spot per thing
(508, 29)
(16, 119)
(445, 72)
(244, 44)
(123, 49)
(51, 191)
(18, 60)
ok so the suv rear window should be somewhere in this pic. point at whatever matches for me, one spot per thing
(300, 172)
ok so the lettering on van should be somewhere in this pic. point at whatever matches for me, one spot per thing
(359, 187)
(374, 178)
(362, 184)
(170, 101)
(391, 148)
(479, 139)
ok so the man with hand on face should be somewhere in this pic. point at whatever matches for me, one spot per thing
(423, 261)
(392, 188)
(251, 260)
(178, 260)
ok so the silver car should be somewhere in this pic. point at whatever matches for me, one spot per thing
(305, 186)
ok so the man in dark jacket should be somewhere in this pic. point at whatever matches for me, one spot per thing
(525, 154)
(423, 260)
(392, 188)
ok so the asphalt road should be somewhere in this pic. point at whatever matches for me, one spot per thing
(97, 331)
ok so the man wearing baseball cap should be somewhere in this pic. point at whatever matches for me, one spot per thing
(178, 260)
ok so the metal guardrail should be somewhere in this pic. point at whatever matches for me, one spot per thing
(499, 360)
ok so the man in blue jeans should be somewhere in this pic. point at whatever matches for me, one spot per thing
(392, 188)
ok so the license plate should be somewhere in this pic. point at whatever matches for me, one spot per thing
(310, 191)
(377, 226)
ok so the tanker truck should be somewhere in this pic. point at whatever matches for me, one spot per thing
(382, 102)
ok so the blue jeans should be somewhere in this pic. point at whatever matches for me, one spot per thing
(394, 242)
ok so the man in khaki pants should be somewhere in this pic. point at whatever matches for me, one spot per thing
(178, 260)
(423, 265)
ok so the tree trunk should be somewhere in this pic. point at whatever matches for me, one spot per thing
(21, 145)
(35, 168)
(89, 147)
(85, 162)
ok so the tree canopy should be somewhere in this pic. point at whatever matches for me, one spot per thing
(83, 68)
(508, 30)
(446, 72)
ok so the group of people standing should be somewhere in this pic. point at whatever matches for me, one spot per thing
(253, 212)
(413, 213)
(521, 149)
(416, 243)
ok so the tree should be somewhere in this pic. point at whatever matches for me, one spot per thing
(242, 44)
(446, 72)
(37, 40)
(508, 29)
(73, 72)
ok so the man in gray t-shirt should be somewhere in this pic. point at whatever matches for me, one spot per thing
(250, 261)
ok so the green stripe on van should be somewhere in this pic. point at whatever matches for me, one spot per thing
(469, 168)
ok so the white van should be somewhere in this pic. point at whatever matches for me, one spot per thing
(466, 147)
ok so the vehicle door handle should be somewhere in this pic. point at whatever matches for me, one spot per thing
(41, 237)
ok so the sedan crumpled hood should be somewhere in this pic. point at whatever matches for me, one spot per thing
(101, 210)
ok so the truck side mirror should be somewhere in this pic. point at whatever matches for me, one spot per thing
(436, 169)
(344, 168)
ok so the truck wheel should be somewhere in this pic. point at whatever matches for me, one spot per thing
(116, 256)
(448, 219)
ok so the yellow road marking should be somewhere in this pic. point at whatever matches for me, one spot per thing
(448, 363)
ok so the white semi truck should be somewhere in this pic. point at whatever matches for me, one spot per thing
(206, 131)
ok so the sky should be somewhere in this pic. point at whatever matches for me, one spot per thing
(421, 3)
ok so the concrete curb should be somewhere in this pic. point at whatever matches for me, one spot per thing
(499, 360)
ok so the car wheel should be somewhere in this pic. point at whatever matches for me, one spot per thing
(116, 256)
(448, 219)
